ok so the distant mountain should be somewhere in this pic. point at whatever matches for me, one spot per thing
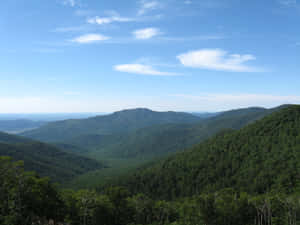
(20, 125)
(47, 117)
(12, 139)
(260, 157)
(45, 159)
(116, 123)
(205, 115)
(159, 140)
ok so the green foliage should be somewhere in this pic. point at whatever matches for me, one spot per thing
(24, 198)
(245, 177)
(261, 157)
(12, 139)
(46, 159)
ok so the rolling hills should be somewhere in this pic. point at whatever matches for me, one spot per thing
(19, 125)
(45, 159)
(164, 139)
(116, 123)
(259, 158)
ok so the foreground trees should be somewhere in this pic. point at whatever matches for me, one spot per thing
(27, 199)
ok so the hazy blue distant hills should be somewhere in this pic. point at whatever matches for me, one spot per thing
(116, 123)
(260, 157)
(205, 115)
(45, 159)
(47, 117)
(19, 125)
(12, 139)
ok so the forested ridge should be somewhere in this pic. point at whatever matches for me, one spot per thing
(116, 123)
(160, 140)
(45, 159)
(261, 157)
(238, 177)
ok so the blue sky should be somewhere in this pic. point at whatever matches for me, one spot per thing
(183, 55)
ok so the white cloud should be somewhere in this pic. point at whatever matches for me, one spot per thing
(146, 33)
(71, 3)
(217, 59)
(108, 20)
(288, 3)
(90, 38)
(147, 5)
(142, 69)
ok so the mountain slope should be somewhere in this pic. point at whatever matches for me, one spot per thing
(46, 159)
(118, 122)
(19, 125)
(261, 157)
(159, 140)
(12, 139)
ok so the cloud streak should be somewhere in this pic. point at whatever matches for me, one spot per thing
(108, 20)
(90, 38)
(288, 3)
(146, 33)
(142, 70)
(147, 6)
(217, 59)
(71, 3)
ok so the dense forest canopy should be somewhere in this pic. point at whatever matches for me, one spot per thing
(46, 159)
(259, 158)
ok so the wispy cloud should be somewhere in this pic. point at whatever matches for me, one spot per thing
(146, 33)
(288, 3)
(90, 38)
(70, 29)
(148, 5)
(71, 3)
(187, 2)
(142, 70)
(108, 20)
(217, 59)
(193, 38)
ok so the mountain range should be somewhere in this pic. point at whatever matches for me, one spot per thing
(142, 133)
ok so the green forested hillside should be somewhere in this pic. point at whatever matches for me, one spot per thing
(12, 139)
(118, 122)
(159, 140)
(46, 159)
(261, 157)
